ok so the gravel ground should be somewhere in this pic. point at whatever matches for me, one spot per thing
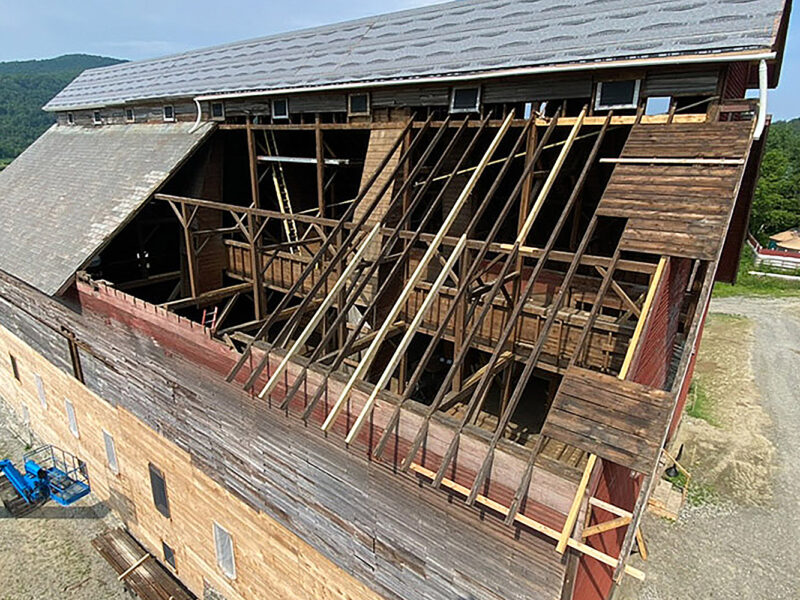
(741, 546)
(47, 553)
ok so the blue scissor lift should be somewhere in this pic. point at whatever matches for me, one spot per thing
(50, 473)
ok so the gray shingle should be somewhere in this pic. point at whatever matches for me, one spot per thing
(470, 36)
(72, 188)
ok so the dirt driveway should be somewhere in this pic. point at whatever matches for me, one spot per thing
(742, 543)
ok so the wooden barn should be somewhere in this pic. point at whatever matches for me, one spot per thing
(400, 308)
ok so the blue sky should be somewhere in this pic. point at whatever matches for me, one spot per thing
(147, 28)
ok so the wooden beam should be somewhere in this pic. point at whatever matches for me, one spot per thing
(206, 297)
(673, 161)
(530, 523)
(572, 515)
(133, 567)
(320, 152)
(614, 510)
(605, 526)
(648, 302)
(320, 312)
(470, 382)
(405, 342)
(421, 268)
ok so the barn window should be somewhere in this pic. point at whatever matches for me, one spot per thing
(169, 554)
(40, 390)
(74, 354)
(70, 119)
(617, 94)
(465, 100)
(130, 115)
(71, 419)
(169, 113)
(358, 104)
(159, 488)
(218, 111)
(96, 118)
(223, 543)
(111, 452)
(14, 367)
(26, 416)
(280, 108)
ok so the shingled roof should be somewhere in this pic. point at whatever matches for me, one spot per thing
(452, 39)
(73, 188)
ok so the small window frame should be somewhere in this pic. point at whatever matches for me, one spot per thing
(223, 536)
(221, 116)
(70, 118)
(14, 367)
(97, 117)
(111, 452)
(157, 474)
(130, 115)
(365, 113)
(280, 117)
(464, 110)
(37, 379)
(169, 555)
(72, 418)
(632, 105)
(171, 109)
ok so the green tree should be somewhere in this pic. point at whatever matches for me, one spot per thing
(776, 205)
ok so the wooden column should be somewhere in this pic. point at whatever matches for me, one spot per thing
(191, 259)
(320, 167)
(252, 226)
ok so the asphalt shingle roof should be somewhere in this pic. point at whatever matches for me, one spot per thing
(70, 191)
(470, 36)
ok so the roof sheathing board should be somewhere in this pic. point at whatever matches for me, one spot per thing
(457, 38)
(74, 187)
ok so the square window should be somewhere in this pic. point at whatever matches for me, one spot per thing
(96, 118)
(14, 367)
(111, 452)
(169, 113)
(73, 421)
(130, 115)
(465, 100)
(70, 119)
(280, 108)
(218, 111)
(169, 554)
(40, 390)
(223, 543)
(617, 94)
(159, 487)
(358, 104)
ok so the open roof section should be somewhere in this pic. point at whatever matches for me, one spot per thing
(73, 188)
(473, 37)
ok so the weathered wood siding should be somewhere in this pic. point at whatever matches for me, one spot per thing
(286, 486)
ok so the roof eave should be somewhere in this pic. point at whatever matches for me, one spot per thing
(672, 60)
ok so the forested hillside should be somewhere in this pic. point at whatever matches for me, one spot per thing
(25, 86)
(776, 206)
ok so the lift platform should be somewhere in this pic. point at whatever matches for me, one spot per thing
(50, 473)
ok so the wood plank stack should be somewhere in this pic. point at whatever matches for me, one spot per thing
(149, 579)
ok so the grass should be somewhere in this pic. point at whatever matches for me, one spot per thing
(754, 285)
(4, 162)
(700, 405)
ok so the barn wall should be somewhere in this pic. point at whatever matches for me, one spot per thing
(273, 564)
(285, 482)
